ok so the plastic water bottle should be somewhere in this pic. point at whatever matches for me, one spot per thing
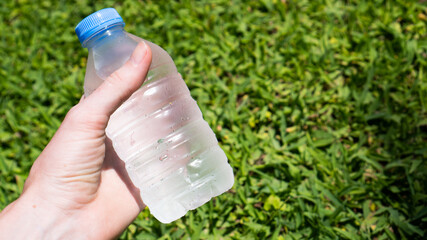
(171, 154)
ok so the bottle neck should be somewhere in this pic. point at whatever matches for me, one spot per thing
(103, 35)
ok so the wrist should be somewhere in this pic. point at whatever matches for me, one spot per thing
(31, 216)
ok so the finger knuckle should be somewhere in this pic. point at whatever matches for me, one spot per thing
(73, 115)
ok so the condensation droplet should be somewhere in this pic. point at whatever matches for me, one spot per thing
(164, 157)
(132, 141)
(187, 179)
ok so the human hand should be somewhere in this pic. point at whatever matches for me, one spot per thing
(78, 187)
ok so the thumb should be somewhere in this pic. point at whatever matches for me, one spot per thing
(119, 86)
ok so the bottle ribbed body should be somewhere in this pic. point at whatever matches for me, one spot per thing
(171, 154)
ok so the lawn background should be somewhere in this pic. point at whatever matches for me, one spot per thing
(319, 105)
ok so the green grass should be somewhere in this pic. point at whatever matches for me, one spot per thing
(319, 105)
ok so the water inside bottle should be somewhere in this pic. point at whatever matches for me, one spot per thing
(170, 152)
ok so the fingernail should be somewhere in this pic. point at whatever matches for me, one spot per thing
(139, 54)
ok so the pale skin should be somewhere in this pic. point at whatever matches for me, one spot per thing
(78, 188)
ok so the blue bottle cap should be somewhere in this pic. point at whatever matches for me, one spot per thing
(97, 21)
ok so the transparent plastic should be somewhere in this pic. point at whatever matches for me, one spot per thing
(171, 154)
